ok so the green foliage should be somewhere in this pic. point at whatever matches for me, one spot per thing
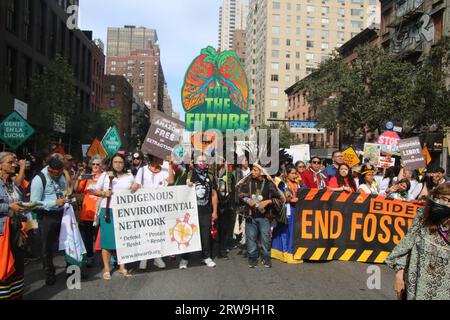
(287, 138)
(376, 88)
(53, 93)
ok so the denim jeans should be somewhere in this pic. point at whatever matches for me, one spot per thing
(253, 228)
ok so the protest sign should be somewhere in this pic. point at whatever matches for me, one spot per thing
(96, 148)
(350, 157)
(372, 153)
(349, 226)
(389, 143)
(387, 162)
(216, 92)
(111, 141)
(411, 152)
(153, 223)
(14, 130)
(163, 135)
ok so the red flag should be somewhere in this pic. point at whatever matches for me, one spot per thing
(426, 154)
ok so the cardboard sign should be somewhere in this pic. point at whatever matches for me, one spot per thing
(163, 135)
(387, 162)
(349, 226)
(411, 152)
(153, 223)
(389, 143)
(216, 92)
(372, 153)
(14, 130)
(350, 157)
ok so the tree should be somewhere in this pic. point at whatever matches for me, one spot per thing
(376, 88)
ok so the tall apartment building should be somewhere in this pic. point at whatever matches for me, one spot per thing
(121, 41)
(167, 101)
(239, 45)
(287, 39)
(142, 68)
(232, 16)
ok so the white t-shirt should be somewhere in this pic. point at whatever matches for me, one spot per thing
(152, 180)
(124, 182)
(246, 172)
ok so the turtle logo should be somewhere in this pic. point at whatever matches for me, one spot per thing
(183, 231)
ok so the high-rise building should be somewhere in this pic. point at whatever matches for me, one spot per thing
(121, 41)
(232, 16)
(142, 68)
(286, 41)
(239, 45)
(167, 102)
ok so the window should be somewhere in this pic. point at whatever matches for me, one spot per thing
(275, 65)
(325, 10)
(288, 42)
(310, 44)
(274, 90)
(324, 57)
(310, 56)
(341, 11)
(287, 78)
(297, 31)
(325, 21)
(288, 66)
(357, 1)
(11, 13)
(288, 54)
(310, 9)
(275, 53)
(297, 7)
(297, 66)
(325, 34)
(309, 69)
(11, 70)
(298, 19)
(276, 30)
(288, 6)
(357, 12)
(357, 24)
(275, 41)
(325, 45)
(113, 63)
(310, 32)
(288, 18)
(276, 5)
(340, 35)
(274, 103)
(273, 115)
(297, 43)
(309, 20)
(297, 55)
(274, 77)
(288, 30)
(27, 16)
(276, 17)
(341, 23)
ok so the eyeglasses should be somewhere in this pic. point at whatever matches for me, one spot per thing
(301, 167)
(96, 164)
(315, 162)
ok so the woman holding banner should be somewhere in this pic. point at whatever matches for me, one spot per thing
(367, 181)
(108, 183)
(343, 180)
(283, 234)
(422, 259)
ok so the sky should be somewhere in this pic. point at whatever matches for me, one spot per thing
(183, 27)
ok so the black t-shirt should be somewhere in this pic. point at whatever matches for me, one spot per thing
(203, 190)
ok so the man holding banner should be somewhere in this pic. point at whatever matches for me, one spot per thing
(150, 177)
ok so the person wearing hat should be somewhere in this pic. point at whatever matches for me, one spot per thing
(422, 258)
(367, 183)
(314, 177)
(137, 162)
(50, 188)
(263, 201)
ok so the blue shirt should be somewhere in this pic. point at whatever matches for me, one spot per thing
(48, 196)
(330, 171)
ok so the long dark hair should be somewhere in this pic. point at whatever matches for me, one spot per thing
(390, 174)
(111, 168)
(341, 180)
(428, 219)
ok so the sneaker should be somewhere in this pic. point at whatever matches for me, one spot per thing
(159, 263)
(143, 265)
(267, 263)
(252, 263)
(209, 262)
(183, 264)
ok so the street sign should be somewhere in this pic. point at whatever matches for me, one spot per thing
(111, 142)
(389, 125)
(14, 130)
(308, 130)
(303, 124)
(21, 108)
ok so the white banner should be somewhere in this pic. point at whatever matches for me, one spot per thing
(153, 223)
(308, 130)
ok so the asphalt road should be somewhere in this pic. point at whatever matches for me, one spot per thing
(231, 280)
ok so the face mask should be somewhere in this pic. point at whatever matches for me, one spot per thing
(439, 211)
(202, 166)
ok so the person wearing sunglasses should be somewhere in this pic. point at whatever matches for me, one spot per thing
(314, 177)
(85, 184)
(333, 169)
(50, 188)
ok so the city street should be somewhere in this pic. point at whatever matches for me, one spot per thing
(230, 280)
